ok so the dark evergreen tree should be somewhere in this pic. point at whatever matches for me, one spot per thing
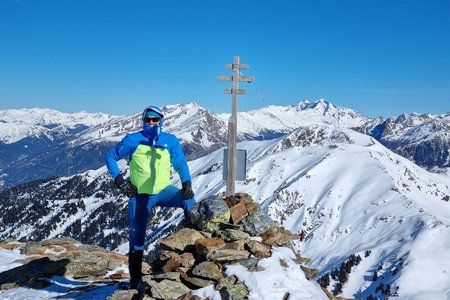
(338, 289)
(324, 281)
(375, 276)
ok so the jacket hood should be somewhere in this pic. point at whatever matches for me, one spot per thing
(154, 109)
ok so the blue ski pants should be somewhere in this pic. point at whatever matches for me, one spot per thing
(140, 207)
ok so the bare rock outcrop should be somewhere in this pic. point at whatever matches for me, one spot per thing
(222, 232)
(61, 257)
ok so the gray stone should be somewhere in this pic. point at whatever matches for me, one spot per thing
(92, 263)
(250, 263)
(195, 281)
(257, 223)
(227, 255)
(167, 254)
(231, 235)
(87, 268)
(234, 292)
(208, 270)
(180, 241)
(225, 282)
(277, 235)
(231, 226)
(209, 213)
(122, 295)
(258, 249)
(175, 276)
(166, 289)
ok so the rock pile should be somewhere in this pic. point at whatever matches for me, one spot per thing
(222, 232)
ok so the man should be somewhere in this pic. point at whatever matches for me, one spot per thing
(151, 153)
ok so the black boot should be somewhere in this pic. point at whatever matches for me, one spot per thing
(187, 220)
(135, 268)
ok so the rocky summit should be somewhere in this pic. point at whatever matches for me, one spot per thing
(218, 233)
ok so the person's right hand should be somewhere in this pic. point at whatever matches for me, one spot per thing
(125, 186)
(186, 190)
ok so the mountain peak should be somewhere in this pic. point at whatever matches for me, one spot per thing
(303, 104)
(189, 105)
(320, 105)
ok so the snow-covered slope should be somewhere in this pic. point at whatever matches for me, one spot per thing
(343, 192)
(347, 194)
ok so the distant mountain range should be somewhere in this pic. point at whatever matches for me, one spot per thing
(42, 143)
(342, 192)
(422, 138)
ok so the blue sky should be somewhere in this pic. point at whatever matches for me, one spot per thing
(379, 57)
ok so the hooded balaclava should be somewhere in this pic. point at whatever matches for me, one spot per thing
(152, 131)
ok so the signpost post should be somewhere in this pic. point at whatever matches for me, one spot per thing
(232, 122)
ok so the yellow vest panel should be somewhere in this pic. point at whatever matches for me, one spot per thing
(150, 169)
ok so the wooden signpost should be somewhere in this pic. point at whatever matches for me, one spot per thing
(232, 122)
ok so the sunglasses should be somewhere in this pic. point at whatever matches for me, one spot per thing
(152, 119)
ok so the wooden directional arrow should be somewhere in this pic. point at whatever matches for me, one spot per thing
(225, 78)
(246, 78)
(239, 91)
(239, 66)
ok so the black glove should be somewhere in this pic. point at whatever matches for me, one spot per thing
(186, 190)
(125, 186)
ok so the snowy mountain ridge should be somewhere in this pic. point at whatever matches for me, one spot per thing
(422, 138)
(283, 119)
(60, 151)
(16, 124)
(28, 121)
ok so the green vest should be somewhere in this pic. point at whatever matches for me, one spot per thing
(150, 169)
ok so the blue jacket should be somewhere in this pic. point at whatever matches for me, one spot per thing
(150, 160)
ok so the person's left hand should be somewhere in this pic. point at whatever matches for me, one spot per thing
(186, 190)
(125, 186)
